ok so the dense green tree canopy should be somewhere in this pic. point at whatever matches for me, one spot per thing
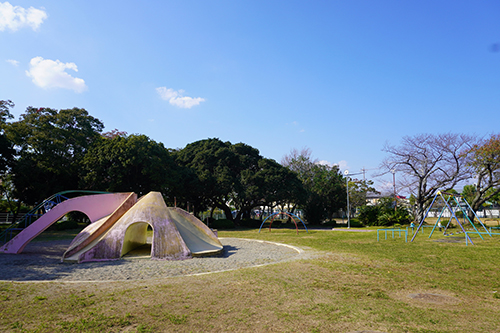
(132, 163)
(6, 149)
(49, 146)
(210, 173)
(223, 174)
(268, 184)
(324, 186)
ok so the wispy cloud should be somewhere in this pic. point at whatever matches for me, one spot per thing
(47, 73)
(16, 17)
(13, 62)
(176, 98)
(297, 126)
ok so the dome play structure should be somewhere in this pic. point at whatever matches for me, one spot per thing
(119, 224)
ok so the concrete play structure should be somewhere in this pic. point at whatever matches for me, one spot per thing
(119, 224)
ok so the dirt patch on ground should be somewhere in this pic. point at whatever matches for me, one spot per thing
(460, 239)
(434, 298)
(426, 298)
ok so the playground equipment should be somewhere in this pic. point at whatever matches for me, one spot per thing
(394, 231)
(40, 210)
(119, 222)
(290, 215)
(458, 203)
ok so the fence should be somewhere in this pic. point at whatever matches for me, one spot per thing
(6, 218)
(484, 213)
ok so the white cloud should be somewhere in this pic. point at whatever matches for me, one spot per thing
(342, 164)
(13, 62)
(16, 17)
(47, 73)
(176, 98)
(323, 162)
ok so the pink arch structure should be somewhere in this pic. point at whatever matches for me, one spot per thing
(113, 205)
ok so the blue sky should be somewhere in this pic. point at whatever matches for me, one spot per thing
(339, 77)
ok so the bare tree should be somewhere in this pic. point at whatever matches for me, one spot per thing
(428, 163)
(299, 161)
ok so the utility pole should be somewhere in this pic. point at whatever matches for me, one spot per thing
(346, 172)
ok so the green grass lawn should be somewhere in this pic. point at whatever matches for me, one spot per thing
(351, 283)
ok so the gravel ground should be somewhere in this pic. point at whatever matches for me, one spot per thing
(41, 261)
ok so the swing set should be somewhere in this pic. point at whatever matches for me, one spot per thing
(459, 203)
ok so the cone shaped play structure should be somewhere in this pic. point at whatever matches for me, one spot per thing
(123, 226)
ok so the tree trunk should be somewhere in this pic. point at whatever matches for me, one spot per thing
(226, 210)
(420, 212)
(476, 203)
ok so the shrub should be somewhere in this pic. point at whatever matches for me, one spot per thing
(331, 223)
(356, 223)
(384, 214)
(368, 215)
(221, 224)
(398, 216)
(251, 223)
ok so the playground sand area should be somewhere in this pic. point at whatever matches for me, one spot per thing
(41, 261)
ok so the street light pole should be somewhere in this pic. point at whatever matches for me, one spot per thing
(346, 174)
(393, 171)
(348, 208)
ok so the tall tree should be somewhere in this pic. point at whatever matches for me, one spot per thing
(484, 158)
(269, 184)
(7, 160)
(6, 148)
(210, 177)
(227, 176)
(428, 163)
(132, 163)
(358, 190)
(49, 146)
(323, 185)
